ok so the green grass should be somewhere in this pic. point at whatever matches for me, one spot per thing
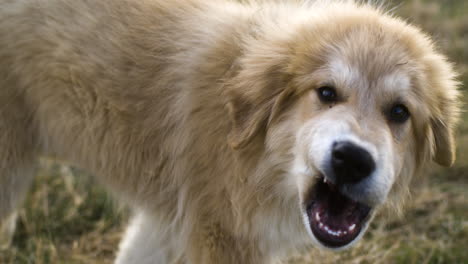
(68, 218)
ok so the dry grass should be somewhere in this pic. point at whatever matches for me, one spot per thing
(68, 219)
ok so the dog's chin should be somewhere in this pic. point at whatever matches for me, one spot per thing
(335, 220)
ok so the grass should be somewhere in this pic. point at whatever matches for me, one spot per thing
(67, 218)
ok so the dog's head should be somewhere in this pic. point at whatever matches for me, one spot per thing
(350, 104)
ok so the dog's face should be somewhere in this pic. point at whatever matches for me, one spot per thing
(352, 109)
(356, 138)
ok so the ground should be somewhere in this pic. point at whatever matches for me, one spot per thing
(70, 219)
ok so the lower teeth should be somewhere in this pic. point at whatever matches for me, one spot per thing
(336, 233)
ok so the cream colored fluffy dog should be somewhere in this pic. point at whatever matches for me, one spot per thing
(236, 131)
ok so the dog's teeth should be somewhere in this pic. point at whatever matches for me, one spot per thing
(317, 217)
(324, 180)
(351, 228)
(321, 225)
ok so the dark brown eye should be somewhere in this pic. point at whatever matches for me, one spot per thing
(398, 113)
(327, 94)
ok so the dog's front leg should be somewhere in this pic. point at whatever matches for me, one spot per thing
(214, 245)
(148, 241)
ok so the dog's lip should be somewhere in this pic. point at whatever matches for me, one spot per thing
(334, 219)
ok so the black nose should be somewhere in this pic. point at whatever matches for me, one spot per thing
(350, 163)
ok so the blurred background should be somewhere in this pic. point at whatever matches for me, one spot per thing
(68, 218)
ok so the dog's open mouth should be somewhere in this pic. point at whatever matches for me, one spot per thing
(335, 220)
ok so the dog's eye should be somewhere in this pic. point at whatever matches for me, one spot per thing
(399, 113)
(327, 94)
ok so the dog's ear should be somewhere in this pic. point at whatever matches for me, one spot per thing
(444, 121)
(247, 120)
(444, 143)
(253, 101)
(256, 88)
(443, 98)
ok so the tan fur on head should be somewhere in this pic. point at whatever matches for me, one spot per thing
(205, 116)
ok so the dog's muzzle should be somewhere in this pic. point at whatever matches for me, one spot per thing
(335, 218)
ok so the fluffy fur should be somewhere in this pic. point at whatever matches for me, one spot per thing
(203, 115)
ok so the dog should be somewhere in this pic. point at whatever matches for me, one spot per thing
(235, 131)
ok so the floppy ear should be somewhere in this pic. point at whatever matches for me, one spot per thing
(256, 88)
(444, 143)
(444, 122)
(247, 120)
(254, 99)
(444, 102)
